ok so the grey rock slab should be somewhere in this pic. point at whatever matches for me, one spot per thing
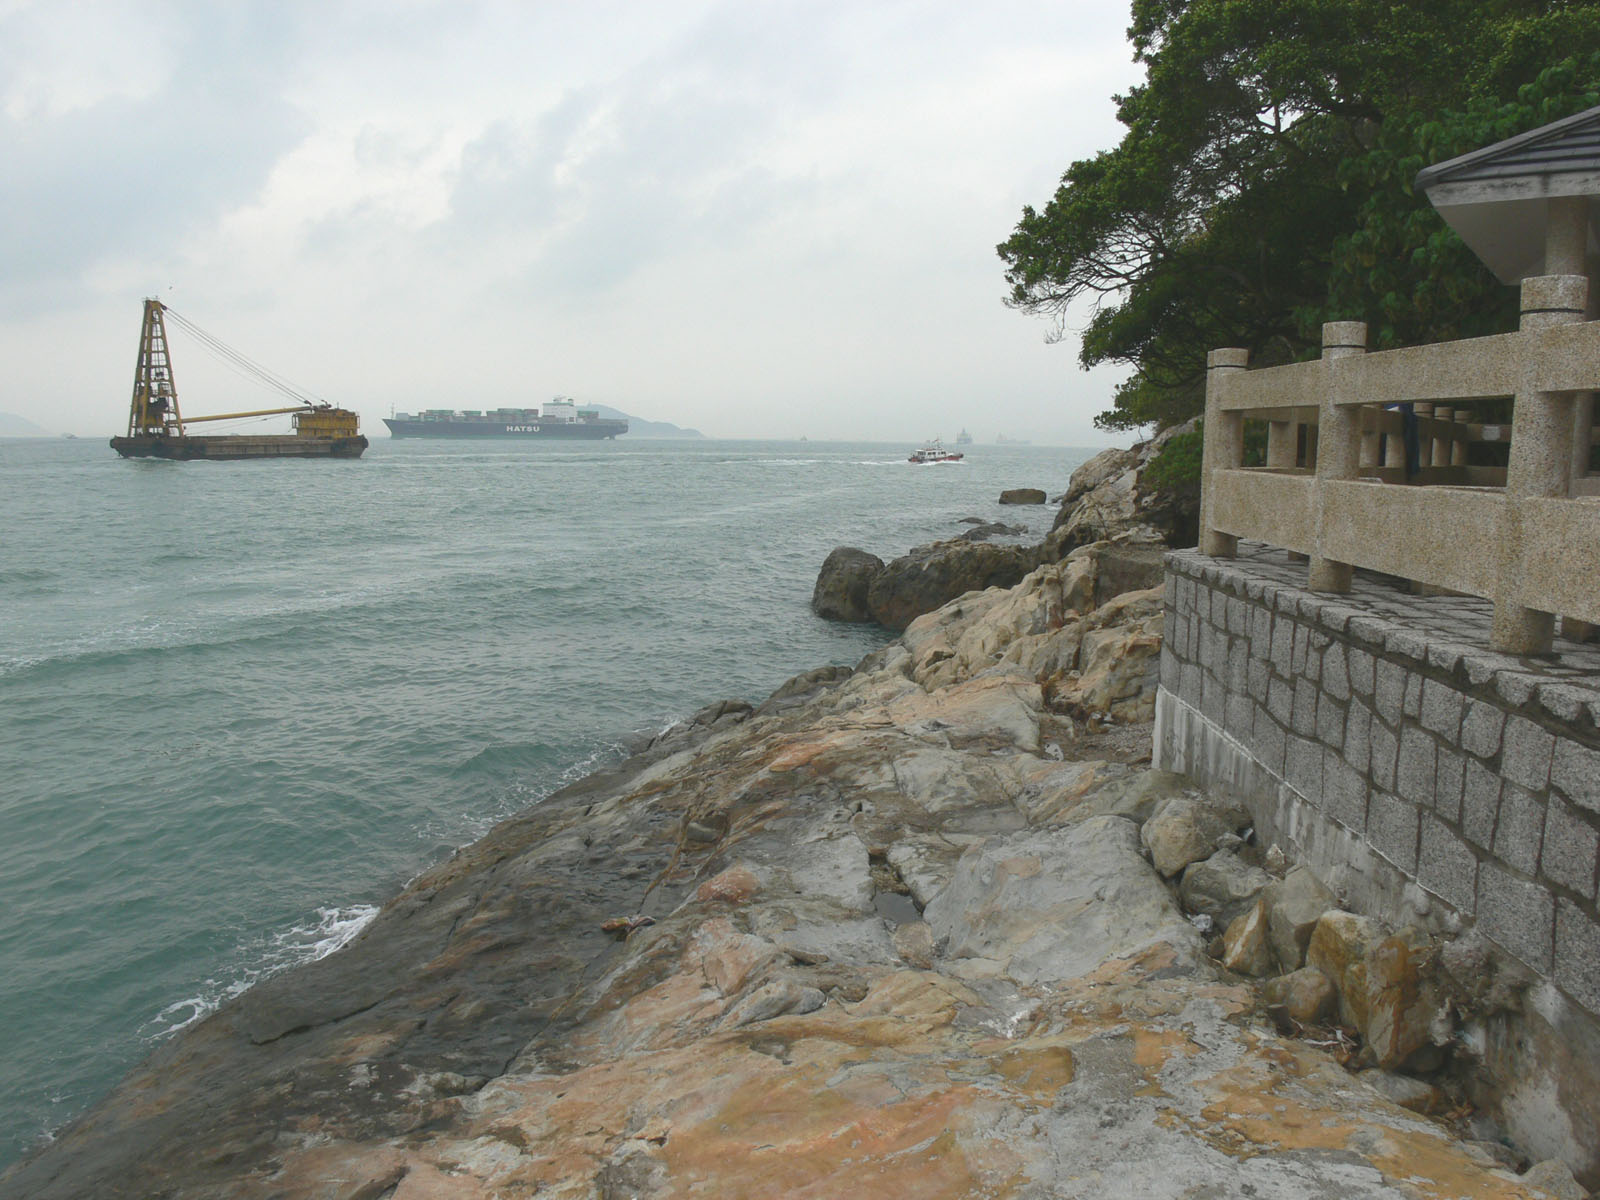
(833, 866)
(925, 864)
(1054, 905)
(862, 941)
(936, 779)
(1136, 796)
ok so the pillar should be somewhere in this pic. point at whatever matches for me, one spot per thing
(1338, 445)
(1223, 447)
(1540, 466)
(1566, 252)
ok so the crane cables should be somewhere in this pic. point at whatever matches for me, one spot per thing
(230, 357)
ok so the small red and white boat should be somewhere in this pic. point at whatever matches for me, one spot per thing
(934, 452)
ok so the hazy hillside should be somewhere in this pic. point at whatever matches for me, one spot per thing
(15, 426)
(638, 427)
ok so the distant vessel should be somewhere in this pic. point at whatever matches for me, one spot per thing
(1003, 440)
(559, 418)
(963, 438)
(156, 427)
(934, 452)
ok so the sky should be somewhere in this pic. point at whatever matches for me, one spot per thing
(756, 218)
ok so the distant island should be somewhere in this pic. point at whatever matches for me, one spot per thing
(638, 427)
(12, 425)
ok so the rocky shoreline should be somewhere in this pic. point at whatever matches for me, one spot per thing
(929, 927)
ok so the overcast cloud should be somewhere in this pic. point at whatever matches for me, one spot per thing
(759, 219)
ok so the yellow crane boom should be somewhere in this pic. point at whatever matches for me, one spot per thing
(260, 412)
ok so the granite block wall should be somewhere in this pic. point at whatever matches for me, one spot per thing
(1423, 777)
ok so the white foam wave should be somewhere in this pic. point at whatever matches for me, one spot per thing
(328, 931)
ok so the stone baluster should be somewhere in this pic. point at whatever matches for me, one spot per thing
(1282, 438)
(1223, 447)
(1441, 436)
(1338, 445)
(1371, 440)
(1424, 411)
(1540, 466)
(1458, 445)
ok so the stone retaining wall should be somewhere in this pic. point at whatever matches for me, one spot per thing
(1427, 780)
(1468, 774)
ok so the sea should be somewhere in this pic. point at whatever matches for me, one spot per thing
(242, 703)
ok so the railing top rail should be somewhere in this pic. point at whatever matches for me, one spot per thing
(1293, 385)
(1561, 358)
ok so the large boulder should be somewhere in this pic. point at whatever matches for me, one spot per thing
(1105, 500)
(1221, 887)
(1022, 496)
(1294, 906)
(931, 576)
(985, 530)
(1188, 828)
(1244, 944)
(840, 593)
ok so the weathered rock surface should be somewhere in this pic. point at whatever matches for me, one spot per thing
(773, 1018)
(1104, 501)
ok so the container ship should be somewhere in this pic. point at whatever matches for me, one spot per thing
(559, 418)
(157, 429)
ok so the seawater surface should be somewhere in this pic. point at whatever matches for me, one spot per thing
(242, 703)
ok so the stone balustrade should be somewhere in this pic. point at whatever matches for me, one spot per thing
(1531, 543)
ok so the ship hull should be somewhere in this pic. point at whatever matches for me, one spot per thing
(236, 447)
(532, 431)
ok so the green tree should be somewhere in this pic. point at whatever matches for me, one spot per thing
(1263, 184)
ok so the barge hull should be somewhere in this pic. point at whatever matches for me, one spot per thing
(233, 447)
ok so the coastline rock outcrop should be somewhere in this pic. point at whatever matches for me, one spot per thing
(1022, 496)
(1105, 500)
(840, 593)
(854, 585)
(1104, 504)
(890, 932)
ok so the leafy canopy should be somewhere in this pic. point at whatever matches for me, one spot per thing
(1263, 184)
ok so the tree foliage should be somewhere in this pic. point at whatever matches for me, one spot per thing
(1263, 184)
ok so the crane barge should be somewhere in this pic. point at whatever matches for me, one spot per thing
(157, 429)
